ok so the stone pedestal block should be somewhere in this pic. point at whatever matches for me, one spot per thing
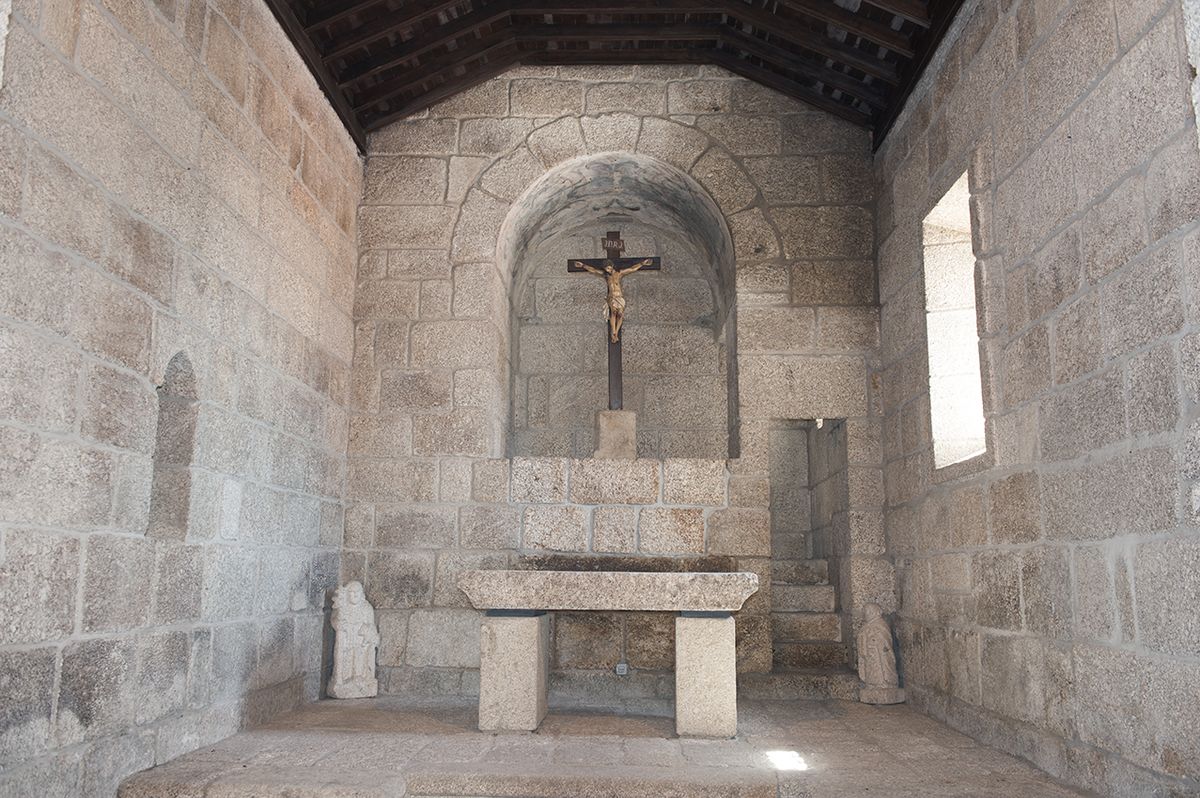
(514, 663)
(881, 695)
(705, 676)
(616, 434)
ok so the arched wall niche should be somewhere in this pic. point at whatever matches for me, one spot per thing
(680, 334)
(174, 445)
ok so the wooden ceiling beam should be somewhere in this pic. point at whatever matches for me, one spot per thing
(322, 19)
(494, 13)
(785, 59)
(689, 55)
(616, 32)
(789, 87)
(872, 31)
(768, 22)
(439, 37)
(915, 11)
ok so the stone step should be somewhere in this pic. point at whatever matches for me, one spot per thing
(813, 654)
(801, 627)
(803, 598)
(800, 572)
(799, 683)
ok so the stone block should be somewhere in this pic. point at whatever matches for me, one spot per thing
(998, 589)
(614, 481)
(1083, 417)
(1165, 592)
(492, 136)
(614, 530)
(805, 386)
(650, 641)
(96, 697)
(1080, 504)
(739, 531)
(1046, 591)
(693, 481)
(616, 434)
(489, 527)
(489, 480)
(803, 598)
(786, 178)
(698, 97)
(800, 626)
(40, 571)
(1144, 303)
(396, 580)
(1153, 399)
(772, 329)
(557, 142)
(489, 98)
(542, 97)
(407, 526)
(628, 97)
(25, 715)
(513, 673)
(403, 180)
(114, 582)
(611, 132)
(538, 480)
(405, 227)
(1014, 508)
(179, 583)
(587, 640)
(467, 431)
(825, 231)
(510, 175)
(671, 530)
(745, 135)
(443, 638)
(705, 677)
(555, 527)
(676, 144)
(725, 181)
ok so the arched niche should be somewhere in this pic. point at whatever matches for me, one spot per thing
(174, 445)
(680, 333)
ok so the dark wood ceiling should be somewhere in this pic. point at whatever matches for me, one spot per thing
(380, 60)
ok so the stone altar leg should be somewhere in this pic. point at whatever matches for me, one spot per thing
(514, 661)
(705, 675)
(616, 434)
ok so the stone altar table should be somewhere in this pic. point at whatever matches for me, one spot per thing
(515, 638)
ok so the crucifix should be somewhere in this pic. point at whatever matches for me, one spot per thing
(612, 268)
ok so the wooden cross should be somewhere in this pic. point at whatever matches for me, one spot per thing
(612, 268)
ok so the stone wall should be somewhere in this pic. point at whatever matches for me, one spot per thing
(453, 199)
(174, 190)
(1049, 586)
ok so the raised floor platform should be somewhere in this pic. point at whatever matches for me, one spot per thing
(379, 748)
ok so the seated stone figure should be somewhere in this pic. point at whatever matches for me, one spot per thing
(877, 660)
(356, 641)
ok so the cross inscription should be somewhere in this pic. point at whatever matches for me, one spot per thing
(613, 268)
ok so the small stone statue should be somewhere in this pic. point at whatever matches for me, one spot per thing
(877, 660)
(355, 643)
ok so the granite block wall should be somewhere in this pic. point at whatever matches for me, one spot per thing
(1047, 601)
(177, 257)
(776, 201)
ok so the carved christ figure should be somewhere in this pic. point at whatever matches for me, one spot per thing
(614, 305)
(356, 641)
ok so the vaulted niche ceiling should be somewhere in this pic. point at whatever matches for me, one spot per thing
(380, 60)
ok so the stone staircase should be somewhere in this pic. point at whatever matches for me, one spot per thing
(806, 629)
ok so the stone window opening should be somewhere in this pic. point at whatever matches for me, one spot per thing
(174, 444)
(951, 328)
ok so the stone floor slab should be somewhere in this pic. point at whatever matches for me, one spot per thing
(382, 748)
